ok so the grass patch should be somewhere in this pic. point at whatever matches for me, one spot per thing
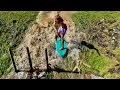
(85, 20)
(13, 26)
(112, 76)
(5, 62)
(92, 16)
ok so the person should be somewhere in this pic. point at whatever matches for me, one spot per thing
(62, 29)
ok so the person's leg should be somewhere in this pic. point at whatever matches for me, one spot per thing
(57, 35)
(62, 39)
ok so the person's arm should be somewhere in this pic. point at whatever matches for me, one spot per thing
(54, 26)
(55, 22)
(67, 24)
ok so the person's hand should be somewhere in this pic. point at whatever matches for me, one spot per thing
(57, 34)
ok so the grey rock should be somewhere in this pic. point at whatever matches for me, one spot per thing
(96, 77)
(20, 75)
(41, 74)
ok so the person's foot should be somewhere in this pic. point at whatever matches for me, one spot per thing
(61, 48)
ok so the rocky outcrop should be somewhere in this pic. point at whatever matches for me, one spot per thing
(41, 36)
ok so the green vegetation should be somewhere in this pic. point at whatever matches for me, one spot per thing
(13, 26)
(4, 64)
(102, 63)
(85, 20)
(93, 16)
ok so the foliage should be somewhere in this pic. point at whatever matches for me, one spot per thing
(13, 26)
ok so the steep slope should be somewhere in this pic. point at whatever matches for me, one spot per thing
(41, 36)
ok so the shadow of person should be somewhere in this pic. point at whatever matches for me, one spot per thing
(90, 46)
(79, 45)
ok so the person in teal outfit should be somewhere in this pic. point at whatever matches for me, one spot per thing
(62, 29)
